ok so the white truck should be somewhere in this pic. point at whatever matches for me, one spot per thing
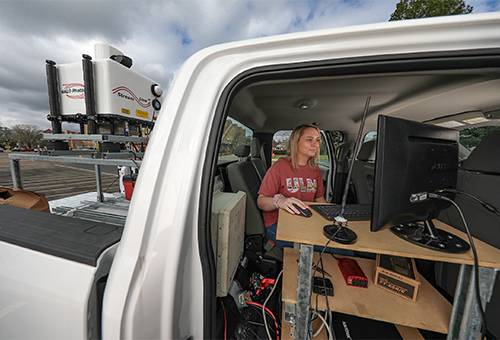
(164, 274)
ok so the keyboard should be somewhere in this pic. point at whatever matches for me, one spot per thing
(352, 212)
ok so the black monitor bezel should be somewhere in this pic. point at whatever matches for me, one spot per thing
(401, 160)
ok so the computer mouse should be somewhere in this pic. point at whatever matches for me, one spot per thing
(303, 212)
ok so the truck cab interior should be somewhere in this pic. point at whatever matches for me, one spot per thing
(458, 90)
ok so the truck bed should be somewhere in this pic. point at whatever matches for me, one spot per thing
(65, 237)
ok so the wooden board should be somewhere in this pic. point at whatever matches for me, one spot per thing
(310, 230)
(431, 311)
(408, 333)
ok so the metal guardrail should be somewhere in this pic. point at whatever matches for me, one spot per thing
(95, 138)
(15, 167)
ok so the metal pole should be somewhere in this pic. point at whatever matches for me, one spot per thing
(15, 172)
(88, 81)
(303, 290)
(55, 108)
(466, 321)
(98, 180)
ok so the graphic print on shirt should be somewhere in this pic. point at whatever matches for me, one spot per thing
(295, 184)
(311, 185)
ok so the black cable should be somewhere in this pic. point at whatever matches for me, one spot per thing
(277, 329)
(486, 205)
(256, 336)
(112, 183)
(330, 321)
(334, 256)
(476, 261)
(135, 158)
(268, 315)
(316, 268)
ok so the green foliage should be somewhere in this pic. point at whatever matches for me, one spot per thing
(26, 135)
(413, 9)
(471, 137)
(338, 137)
(280, 151)
(6, 137)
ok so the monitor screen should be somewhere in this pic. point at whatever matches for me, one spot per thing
(413, 159)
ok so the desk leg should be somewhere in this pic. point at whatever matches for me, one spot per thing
(98, 181)
(466, 318)
(15, 172)
(303, 290)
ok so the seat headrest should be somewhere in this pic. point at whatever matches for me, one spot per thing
(242, 150)
(368, 150)
(484, 158)
(255, 148)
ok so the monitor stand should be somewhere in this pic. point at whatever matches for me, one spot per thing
(339, 232)
(425, 234)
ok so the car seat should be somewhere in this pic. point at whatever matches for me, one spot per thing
(363, 172)
(479, 176)
(243, 176)
(256, 158)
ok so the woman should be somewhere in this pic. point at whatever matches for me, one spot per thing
(292, 180)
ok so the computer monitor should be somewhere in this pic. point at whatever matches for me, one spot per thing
(414, 159)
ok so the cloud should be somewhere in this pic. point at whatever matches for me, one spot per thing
(75, 19)
(158, 35)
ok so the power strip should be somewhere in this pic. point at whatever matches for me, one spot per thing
(352, 272)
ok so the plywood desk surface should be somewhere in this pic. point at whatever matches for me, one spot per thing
(431, 311)
(310, 231)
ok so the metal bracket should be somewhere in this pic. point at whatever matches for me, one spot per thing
(289, 316)
(466, 318)
(15, 172)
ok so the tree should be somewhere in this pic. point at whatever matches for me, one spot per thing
(413, 9)
(27, 134)
(4, 136)
(471, 137)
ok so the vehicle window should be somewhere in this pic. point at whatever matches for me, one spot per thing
(471, 137)
(338, 138)
(234, 134)
(324, 159)
(280, 144)
(372, 135)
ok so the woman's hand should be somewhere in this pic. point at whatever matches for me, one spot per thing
(287, 203)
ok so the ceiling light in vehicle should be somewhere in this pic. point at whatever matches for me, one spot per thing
(305, 104)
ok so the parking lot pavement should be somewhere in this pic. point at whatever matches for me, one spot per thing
(58, 180)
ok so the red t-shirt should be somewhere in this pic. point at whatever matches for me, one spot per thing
(306, 185)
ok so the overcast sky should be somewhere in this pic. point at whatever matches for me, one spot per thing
(158, 35)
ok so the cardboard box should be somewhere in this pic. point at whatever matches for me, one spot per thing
(398, 275)
(24, 199)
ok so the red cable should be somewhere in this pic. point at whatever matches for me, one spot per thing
(270, 313)
(225, 320)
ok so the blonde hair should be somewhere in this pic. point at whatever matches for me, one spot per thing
(293, 151)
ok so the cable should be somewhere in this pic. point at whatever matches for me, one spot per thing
(324, 292)
(330, 337)
(476, 261)
(319, 329)
(111, 183)
(225, 320)
(270, 313)
(265, 302)
(486, 205)
(316, 268)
